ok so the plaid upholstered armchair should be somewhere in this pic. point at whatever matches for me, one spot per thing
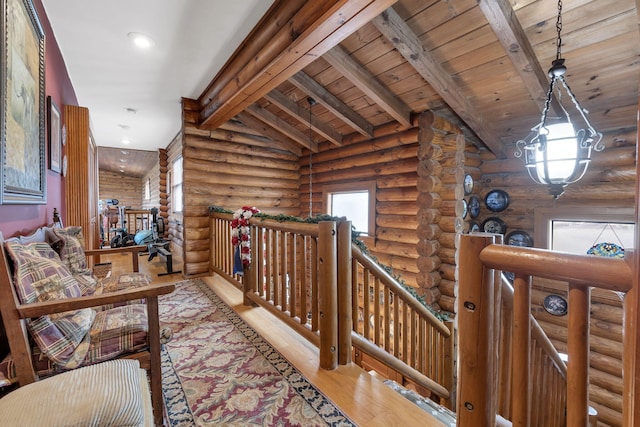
(72, 318)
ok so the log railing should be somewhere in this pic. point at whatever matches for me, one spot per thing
(313, 278)
(481, 377)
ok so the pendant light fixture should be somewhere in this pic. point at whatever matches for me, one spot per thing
(555, 153)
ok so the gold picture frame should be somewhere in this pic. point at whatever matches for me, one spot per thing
(22, 97)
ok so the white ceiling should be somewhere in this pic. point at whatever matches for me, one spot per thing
(193, 40)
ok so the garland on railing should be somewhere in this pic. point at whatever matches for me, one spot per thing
(443, 316)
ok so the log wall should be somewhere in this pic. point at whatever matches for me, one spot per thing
(127, 189)
(225, 169)
(610, 183)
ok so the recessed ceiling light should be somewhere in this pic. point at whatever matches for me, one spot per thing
(123, 126)
(125, 140)
(141, 40)
(124, 152)
(123, 160)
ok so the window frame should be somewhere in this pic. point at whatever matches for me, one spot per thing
(355, 187)
(177, 183)
(543, 217)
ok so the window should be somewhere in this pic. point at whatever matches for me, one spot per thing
(176, 185)
(147, 190)
(355, 201)
(576, 230)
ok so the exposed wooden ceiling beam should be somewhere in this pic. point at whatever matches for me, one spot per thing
(280, 141)
(502, 19)
(285, 128)
(316, 27)
(393, 27)
(295, 111)
(305, 83)
(357, 74)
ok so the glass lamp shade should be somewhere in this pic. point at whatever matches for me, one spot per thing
(559, 156)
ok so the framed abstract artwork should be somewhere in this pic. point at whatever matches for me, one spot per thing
(23, 111)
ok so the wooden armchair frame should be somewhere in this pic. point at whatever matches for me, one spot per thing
(14, 315)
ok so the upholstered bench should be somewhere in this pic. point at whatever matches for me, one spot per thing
(113, 393)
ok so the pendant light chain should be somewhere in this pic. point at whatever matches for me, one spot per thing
(311, 102)
(559, 30)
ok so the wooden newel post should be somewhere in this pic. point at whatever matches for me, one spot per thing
(328, 294)
(476, 401)
(345, 319)
(578, 352)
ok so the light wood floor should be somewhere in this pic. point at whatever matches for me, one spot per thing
(363, 397)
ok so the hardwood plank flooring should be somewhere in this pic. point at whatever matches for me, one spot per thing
(362, 396)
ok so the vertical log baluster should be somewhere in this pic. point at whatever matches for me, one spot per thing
(578, 348)
(521, 351)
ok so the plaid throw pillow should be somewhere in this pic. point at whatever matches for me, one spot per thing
(72, 254)
(39, 275)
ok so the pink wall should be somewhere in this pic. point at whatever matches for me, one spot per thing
(17, 219)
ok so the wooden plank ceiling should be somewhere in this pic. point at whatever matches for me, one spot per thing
(481, 63)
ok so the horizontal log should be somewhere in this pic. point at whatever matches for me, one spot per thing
(427, 248)
(447, 255)
(428, 279)
(448, 272)
(427, 184)
(397, 235)
(217, 191)
(447, 287)
(429, 232)
(370, 160)
(448, 240)
(447, 303)
(396, 208)
(365, 172)
(199, 167)
(254, 160)
(350, 150)
(395, 248)
(428, 168)
(398, 264)
(407, 222)
(428, 264)
(428, 215)
(429, 200)
(239, 144)
(618, 156)
(249, 181)
(401, 194)
(597, 344)
(400, 180)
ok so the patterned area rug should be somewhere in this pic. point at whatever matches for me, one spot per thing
(218, 371)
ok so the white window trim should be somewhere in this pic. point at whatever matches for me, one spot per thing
(544, 216)
(350, 187)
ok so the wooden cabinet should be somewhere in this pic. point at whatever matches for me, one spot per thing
(81, 179)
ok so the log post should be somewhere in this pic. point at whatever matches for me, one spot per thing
(476, 395)
(448, 350)
(578, 348)
(521, 351)
(345, 321)
(328, 294)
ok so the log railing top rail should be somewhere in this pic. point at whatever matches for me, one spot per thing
(392, 284)
(605, 273)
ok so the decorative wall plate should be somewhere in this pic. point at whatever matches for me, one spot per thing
(474, 206)
(519, 238)
(465, 208)
(556, 305)
(497, 200)
(474, 227)
(494, 225)
(468, 184)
